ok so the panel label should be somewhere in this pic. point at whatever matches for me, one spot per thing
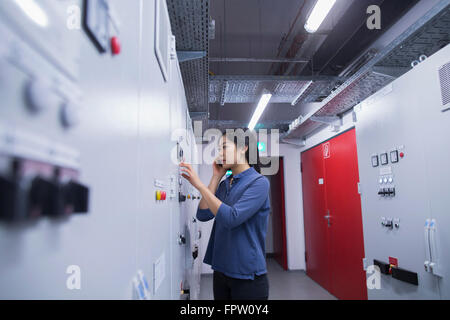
(385, 171)
(393, 263)
(326, 151)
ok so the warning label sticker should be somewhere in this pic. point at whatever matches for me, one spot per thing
(326, 150)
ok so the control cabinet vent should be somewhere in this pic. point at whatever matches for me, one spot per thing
(444, 77)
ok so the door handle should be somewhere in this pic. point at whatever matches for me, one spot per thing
(434, 262)
(427, 246)
(328, 217)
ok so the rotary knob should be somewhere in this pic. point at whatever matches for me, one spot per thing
(181, 240)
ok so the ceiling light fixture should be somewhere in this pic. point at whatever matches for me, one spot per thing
(318, 14)
(263, 102)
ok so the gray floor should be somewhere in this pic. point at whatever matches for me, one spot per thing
(283, 285)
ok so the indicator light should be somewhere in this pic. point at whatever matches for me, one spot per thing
(115, 46)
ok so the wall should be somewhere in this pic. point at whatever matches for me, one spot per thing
(126, 117)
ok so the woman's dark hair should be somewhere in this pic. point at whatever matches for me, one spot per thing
(250, 141)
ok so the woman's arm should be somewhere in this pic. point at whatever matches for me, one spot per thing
(213, 184)
(248, 205)
(212, 202)
(231, 216)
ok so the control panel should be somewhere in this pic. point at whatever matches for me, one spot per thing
(38, 177)
(403, 148)
(385, 161)
(68, 142)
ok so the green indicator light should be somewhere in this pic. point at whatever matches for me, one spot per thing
(261, 146)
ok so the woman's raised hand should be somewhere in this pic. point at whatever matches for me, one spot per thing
(218, 171)
(190, 175)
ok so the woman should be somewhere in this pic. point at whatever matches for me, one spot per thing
(240, 205)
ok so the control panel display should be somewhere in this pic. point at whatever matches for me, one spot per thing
(375, 161)
(394, 156)
(384, 159)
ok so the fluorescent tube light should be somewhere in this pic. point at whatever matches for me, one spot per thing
(318, 14)
(33, 11)
(263, 102)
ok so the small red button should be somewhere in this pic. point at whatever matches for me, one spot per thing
(163, 195)
(115, 46)
(402, 155)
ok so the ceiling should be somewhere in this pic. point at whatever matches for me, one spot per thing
(261, 29)
(270, 49)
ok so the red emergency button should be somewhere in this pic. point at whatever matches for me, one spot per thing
(115, 46)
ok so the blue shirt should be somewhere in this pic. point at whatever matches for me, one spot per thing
(237, 245)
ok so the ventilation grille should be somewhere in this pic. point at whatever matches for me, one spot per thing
(444, 76)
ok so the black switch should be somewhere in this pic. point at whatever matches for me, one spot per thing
(384, 267)
(22, 198)
(405, 275)
(195, 253)
(392, 192)
(8, 194)
(76, 198)
(51, 198)
(57, 200)
(185, 291)
(181, 197)
(41, 197)
(381, 193)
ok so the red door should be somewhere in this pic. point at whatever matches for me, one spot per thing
(314, 209)
(278, 216)
(342, 204)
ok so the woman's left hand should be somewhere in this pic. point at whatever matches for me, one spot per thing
(190, 175)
